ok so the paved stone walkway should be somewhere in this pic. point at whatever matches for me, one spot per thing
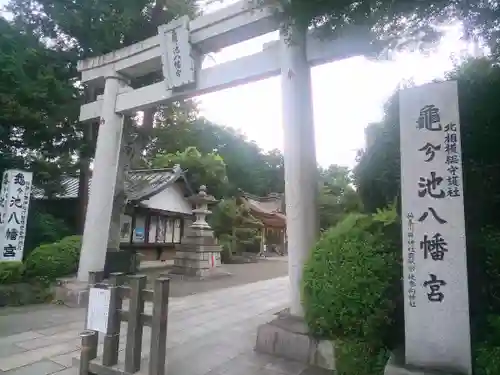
(241, 274)
(211, 333)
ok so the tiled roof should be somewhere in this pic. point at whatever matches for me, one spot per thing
(266, 209)
(139, 184)
(69, 185)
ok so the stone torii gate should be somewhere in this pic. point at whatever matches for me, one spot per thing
(178, 50)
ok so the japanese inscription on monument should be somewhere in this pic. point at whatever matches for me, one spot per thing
(14, 205)
(434, 253)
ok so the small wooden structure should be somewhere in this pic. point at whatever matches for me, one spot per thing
(155, 217)
(136, 319)
(270, 211)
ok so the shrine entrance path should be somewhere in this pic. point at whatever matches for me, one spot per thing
(210, 333)
(247, 273)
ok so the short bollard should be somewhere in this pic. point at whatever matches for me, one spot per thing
(88, 350)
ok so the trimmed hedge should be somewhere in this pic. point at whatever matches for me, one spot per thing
(54, 260)
(351, 291)
(11, 272)
(355, 357)
(487, 353)
(43, 228)
(25, 293)
(30, 282)
(352, 294)
(349, 282)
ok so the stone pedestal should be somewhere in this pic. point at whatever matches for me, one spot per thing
(288, 337)
(199, 255)
(396, 366)
(71, 292)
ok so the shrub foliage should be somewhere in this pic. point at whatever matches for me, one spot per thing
(351, 282)
(54, 260)
(11, 272)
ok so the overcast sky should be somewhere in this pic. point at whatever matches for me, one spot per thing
(347, 94)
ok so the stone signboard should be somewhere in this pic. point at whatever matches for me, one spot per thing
(14, 205)
(434, 249)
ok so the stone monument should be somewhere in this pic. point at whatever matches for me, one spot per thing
(437, 328)
(198, 255)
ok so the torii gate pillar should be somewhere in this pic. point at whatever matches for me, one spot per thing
(288, 336)
(300, 158)
(106, 165)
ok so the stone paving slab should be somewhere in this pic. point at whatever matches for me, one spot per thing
(212, 333)
(35, 318)
(44, 367)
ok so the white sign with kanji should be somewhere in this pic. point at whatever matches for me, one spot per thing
(14, 205)
(177, 60)
(98, 310)
(433, 224)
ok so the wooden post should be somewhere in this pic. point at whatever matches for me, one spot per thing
(158, 347)
(95, 277)
(88, 351)
(134, 327)
(112, 337)
(262, 235)
(233, 243)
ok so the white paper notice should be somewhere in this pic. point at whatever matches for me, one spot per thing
(98, 311)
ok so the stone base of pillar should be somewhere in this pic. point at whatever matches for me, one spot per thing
(71, 292)
(288, 337)
(199, 256)
(396, 366)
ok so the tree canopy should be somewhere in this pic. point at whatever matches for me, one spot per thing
(384, 24)
(96, 27)
(377, 174)
(247, 166)
(337, 196)
(37, 102)
(204, 169)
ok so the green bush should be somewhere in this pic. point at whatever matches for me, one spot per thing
(489, 245)
(487, 360)
(11, 272)
(355, 357)
(24, 294)
(43, 228)
(54, 260)
(487, 353)
(352, 281)
(225, 243)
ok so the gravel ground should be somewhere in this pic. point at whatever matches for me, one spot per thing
(247, 273)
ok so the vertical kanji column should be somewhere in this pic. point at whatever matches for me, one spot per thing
(106, 167)
(300, 157)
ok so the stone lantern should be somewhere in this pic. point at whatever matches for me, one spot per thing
(198, 255)
(201, 201)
